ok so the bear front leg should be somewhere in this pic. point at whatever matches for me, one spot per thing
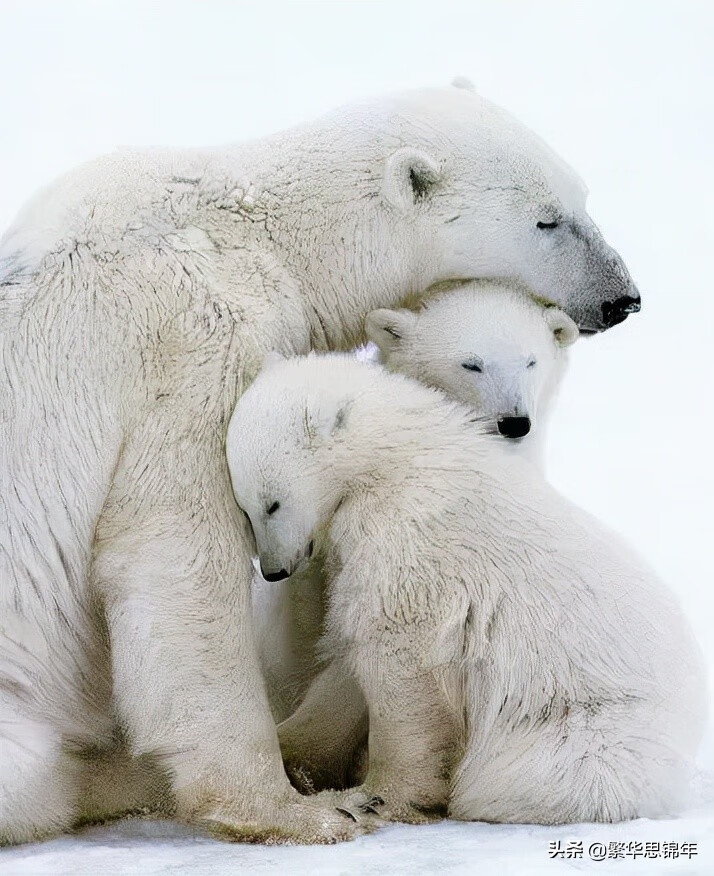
(173, 564)
(323, 739)
(413, 738)
(39, 779)
(394, 628)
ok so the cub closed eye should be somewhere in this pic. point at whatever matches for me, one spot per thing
(272, 509)
(547, 224)
(472, 366)
(531, 363)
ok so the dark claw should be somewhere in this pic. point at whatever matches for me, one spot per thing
(346, 813)
(365, 807)
(377, 801)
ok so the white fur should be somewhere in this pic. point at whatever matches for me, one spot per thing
(518, 662)
(138, 295)
(507, 331)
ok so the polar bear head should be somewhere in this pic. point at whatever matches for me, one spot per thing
(487, 344)
(451, 187)
(281, 449)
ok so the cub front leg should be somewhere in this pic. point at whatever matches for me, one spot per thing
(173, 564)
(323, 739)
(396, 628)
(414, 738)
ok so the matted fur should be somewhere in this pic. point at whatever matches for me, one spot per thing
(138, 295)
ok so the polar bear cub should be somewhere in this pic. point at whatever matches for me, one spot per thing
(489, 345)
(518, 662)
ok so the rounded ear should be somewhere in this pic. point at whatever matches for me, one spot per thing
(409, 176)
(564, 329)
(328, 419)
(271, 359)
(387, 328)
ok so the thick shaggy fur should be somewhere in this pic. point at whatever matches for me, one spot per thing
(518, 662)
(138, 295)
(522, 350)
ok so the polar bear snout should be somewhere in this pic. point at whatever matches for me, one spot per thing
(271, 574)
(272, 571)
(272, 577)
(614, 312)
(586, 277)
(514, 427)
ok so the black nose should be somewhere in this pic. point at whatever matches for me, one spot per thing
(617, 311)
(514, 427)
(275, 576)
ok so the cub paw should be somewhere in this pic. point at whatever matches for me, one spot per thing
(361, 802)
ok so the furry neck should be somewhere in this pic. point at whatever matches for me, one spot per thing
(318, 195)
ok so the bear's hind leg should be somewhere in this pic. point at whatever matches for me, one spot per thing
(588, 769)
(39, 779)
(114, 784)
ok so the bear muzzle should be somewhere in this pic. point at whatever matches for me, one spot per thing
(614, 312)
(272, 576)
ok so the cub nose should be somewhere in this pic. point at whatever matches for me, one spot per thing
(514, 427)
(275, 576)
(617, 311)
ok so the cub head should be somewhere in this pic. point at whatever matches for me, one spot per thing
(485, 344)
(283, 457)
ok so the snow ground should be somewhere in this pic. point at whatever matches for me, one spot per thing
(138, 848)
(625, 92)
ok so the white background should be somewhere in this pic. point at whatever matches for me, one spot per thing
(624, 90)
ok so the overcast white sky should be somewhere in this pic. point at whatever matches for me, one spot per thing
(624, 90)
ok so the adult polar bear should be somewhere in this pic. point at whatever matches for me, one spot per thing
(139, 295)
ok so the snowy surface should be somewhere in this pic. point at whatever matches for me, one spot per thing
(138, 848)
(625, 92)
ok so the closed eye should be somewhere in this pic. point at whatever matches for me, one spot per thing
(547, 224)
(473, 365)
(273, 508)
(531, 363)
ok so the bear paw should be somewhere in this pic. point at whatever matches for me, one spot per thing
(306, 821)
(361, 802)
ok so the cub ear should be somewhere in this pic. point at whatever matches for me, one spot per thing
(409, 177)
(565, 331)
(387, 328)
(271, 359)
(328, 419)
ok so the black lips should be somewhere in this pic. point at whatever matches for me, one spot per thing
(275, 576)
